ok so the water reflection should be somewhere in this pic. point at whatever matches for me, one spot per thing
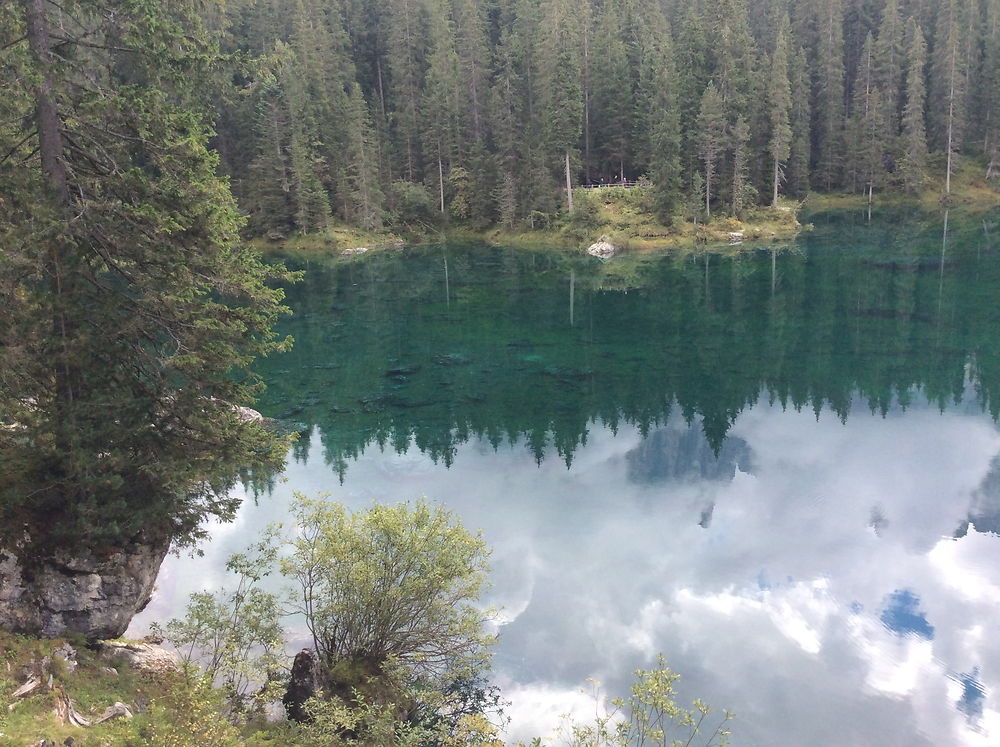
(731, 500)
(855, 312)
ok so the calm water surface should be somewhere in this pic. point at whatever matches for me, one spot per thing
(779, 467)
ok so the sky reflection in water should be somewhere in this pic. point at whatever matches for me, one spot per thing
(820, 578)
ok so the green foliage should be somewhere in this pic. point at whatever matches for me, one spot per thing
(131, 308)
(650, 715)
(234, 638)
(412, 206)
(390, 590)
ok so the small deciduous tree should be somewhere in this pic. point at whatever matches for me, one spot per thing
(235, 637)
(389, 595)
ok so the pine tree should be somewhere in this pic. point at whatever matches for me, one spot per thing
(361, 194)
(743, 191)
(560, 88)
(711, 138)
(988, 109)
(406, 53)
(913, 165)
(611, 106)
(797, 172)
(889, 52)
(130, 306)
(829, 109)
(868, 126)
(779, 106)
(439, 109)
(947, 85)
(656, 115)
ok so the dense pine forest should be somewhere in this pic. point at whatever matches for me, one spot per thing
(402, 112)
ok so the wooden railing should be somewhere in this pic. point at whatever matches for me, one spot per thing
(602, 185)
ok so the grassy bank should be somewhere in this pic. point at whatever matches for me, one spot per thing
(969, 190)
(626, 218)
(622, 215)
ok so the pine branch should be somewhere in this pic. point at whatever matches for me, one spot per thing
(17, 147)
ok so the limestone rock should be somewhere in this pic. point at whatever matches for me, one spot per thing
(248, 415)
(143, 657)
(92, 595)
(603, 249)
(355, 250)
(118, 710)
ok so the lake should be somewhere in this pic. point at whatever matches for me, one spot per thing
(779, 466)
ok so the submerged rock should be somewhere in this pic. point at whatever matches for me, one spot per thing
(603, 249)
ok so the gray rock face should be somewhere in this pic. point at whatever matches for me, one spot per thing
(602, 249)
(304, 684)
(96, 597)
(143, 657)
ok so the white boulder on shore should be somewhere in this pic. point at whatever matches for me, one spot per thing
(603, 249)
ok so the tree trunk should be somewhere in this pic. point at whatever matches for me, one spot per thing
(441, 181)
(569, 186)
(708, 188)
(50, 146)
(774, 200)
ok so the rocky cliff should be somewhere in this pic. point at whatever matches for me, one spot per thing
(95, 596)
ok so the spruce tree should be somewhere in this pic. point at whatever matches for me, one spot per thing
(130, 307)
(948, 85)
(779, 106)
(711, 138)
(889, 53)
(742, 190)
(656, 114)
(560, 88)
(913, 165)
(797, 172)
(829, 109)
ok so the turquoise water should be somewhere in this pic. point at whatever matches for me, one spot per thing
(778, 466)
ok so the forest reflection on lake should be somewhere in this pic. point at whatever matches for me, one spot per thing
(780, 467)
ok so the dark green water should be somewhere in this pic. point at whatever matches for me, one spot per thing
(779, 467)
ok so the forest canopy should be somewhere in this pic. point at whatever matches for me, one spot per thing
(408, 112)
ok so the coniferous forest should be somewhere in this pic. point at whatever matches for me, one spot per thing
(397, 113)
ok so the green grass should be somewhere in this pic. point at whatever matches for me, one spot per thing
(168, 708)
(969, 189)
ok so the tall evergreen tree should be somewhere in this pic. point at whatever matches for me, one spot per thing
(779, 106)
(711, 138)
(797, 172)
(742, 189)
(828, 112)
(407, 55)
(129, 302)
(913, 165)
(656, 113)
(889, 53)
(360, 191)
(612, 98)
(948, 84)
(560, 88)
(868, 126)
